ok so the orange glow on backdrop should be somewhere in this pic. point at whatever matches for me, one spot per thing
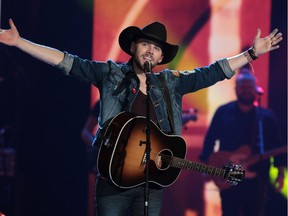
(206, 30)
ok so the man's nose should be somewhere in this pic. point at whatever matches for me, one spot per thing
(150, 49)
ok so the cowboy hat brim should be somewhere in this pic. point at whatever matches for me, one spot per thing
(132, 33)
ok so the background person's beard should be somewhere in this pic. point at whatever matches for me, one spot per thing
(246, 100)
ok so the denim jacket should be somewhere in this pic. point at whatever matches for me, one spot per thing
(117, 84)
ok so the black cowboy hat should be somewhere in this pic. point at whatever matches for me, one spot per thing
(155, 32)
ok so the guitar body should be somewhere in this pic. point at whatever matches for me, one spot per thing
(223, 157)
(242, 156)
(122, 157)
(239, 156)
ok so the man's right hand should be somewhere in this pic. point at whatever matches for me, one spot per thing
(9, 36)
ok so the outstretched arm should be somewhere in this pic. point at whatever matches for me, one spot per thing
(260, 46)
(53, 56)
(46, 54)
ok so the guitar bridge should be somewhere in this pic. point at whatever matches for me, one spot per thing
(144, 159)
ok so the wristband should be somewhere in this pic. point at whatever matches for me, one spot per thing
(248, 56)
(251, 52)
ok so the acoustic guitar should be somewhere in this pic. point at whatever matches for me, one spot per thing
(122, 155)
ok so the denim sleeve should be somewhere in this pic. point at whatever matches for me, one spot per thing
(66, 64)
(226, 68)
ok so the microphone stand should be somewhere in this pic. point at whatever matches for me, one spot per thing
(260, 129)
(262, 192)
(148, 71)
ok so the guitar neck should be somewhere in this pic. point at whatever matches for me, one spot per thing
(197, 167)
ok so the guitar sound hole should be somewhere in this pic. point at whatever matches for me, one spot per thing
(163, 159)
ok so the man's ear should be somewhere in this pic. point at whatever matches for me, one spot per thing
(132, 47)
(160, 60)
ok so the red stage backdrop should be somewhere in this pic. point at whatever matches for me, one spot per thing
(206, 31)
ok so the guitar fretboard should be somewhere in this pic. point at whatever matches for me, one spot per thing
(197, 167)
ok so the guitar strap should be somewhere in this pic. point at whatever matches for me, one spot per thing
(124, 84)
(168, 102)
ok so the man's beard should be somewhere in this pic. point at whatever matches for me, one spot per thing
(138, 63)
(246, 100)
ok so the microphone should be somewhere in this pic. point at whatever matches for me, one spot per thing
(147, 67)
(260, 90)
